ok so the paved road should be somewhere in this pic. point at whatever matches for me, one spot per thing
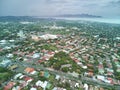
(67, 76)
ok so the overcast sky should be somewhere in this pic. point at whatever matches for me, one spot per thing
(105, 8)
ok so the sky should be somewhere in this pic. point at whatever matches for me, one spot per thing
(105, 8)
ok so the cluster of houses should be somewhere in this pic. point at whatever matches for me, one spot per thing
(84, 55)
(88, 53)
(33, 80)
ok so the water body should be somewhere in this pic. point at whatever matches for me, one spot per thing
(104, 20)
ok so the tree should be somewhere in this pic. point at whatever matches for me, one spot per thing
(65, 69)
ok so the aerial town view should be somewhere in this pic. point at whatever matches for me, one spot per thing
(58, 52)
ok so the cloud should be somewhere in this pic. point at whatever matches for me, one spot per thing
(114, 3)
(55, 7)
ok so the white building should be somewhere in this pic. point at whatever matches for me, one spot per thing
(21, 34)
(48, 36)
(5, 63)
(85, 86)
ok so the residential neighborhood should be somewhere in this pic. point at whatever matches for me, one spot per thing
(59, 55)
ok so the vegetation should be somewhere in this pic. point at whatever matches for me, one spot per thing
(49, 47)
(61, 61)
(61, 58)
(5, 74)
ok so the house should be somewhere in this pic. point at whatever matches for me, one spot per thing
(100, 77)
(107, 81)
(1, 49)
(40, 61)
(5, 63)
(29, 70)
(35, 38)
(13, 67)
(36, 55)
(42, 84)
(48, 36)
(23, 84)
(3, 41)
(16, 88)
(28, 79)
(45, 57)
(66, 65)
(89, 74)
(109, 70)
(57, 77)
(10, 55)
(101, 88)
(12, 41)
(33, 88)
(48, 86)
(109, 73)
(22, 76)
(9, 86)
(77, 85)
(7, 48)
(39, 83)
(85, 86)
(45, 74)
(90, 65)
(101, 71)
(21, 34)
(96, 88)
(58, 88)
(18, 75)
(110, 80)
(84, 67)
(51, 53)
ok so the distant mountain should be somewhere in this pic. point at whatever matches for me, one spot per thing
(21, 18)
(79, 16)
(35, 18)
